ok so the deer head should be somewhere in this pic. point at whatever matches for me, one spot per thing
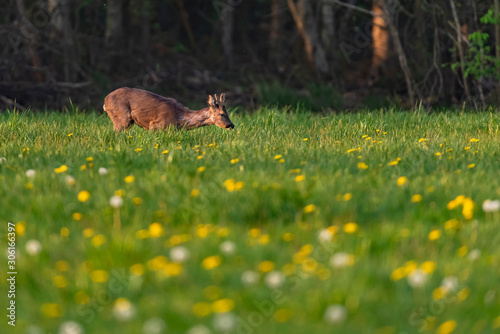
(218, 113)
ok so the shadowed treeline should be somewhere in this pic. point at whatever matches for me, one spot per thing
(324, 54)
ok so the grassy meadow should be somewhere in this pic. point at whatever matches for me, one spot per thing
(373, 222)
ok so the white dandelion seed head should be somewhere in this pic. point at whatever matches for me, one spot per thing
(116, 201)
(250, 277)
(70, 180)
(224, 322)
(335, 314)
(30, 173)
(70, 327)
(33, 247)
(491, 205)
(417, 278)
(227, 247)
(103, 171)
(274, 279)
(340, 260)
(199, 329)
(450, 283)
(154, 326)
(179, 254)
(474, 254)
(123, 310)
(325, 236)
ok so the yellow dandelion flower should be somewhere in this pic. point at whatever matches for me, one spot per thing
(439, 293)
(129, 179)
(288, 269)
(434, 235)
(64, 232)
(62, 265)
(137, 269)
(305, 139)
(474, 140)
(309, 208)
(137, 201)
(254, 232)
(393, 163)
(428, 266)
(83, 167)
(70, 134)
(471, 166)
(201, 169)
(283, 315)
(60, 281)
(398, 274)
(195, 193)
(462, 251)
(347, 197)
(222, 231)
(438, 154)
(468, 208)
(98, 240)
(83, 196)
(222, 305)
(120, 192)
(266, 266)
(401, 181)
(164, 152)
(496, 323)
(463, 294)
(88, 232)
(362, 165)
(350, 228)
(20, 228)
(410, 267)
(155, 230)
(422, 140)
(61, 169)
(77, 216)
(300, 178)
(287, 237)
(51, 310)
(99, 276)
(452, 224)
(263, 239)
(138, 149)
(202, 309)
(202, 231)
(277, 157)
(211, 262)
(234, 161)
(172, 269)
(447, 327)
(142, 234)
(416, 198)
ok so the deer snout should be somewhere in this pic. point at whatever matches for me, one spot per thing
(230, 126)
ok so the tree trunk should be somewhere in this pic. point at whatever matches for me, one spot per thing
(114, 24)
(460, 49)
(328, 33)
(227, 22)
(400, 51)
(380, 38)
(303, 16)
(274, 41)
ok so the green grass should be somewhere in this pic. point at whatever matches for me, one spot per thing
(272, 217)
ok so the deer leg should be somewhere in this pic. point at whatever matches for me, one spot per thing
(120, 116)
(156, 125)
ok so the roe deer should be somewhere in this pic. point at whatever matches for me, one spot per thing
(126, 106)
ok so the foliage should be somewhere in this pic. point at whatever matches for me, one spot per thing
(293, 222)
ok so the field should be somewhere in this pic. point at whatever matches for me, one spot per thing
(374, 222)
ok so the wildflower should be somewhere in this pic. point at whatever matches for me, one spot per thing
(64, 232)
(154, 326)
(211, 262)
(222, 305)
(287, 237)
(225, 322)
(195, 193)
(155, 230)
(138, 149)
(103, 171)
(398, 274)
(70, 327)
(77, 216)
(347, 197)
(474, 140)
(474, 254)
(491, 206)
(422, 140)
(467, 148)
(234, 161)
(70, 135)
(227, 247)
(129, 179)
(231, 185)
(335, 314)
(428, 267)
(462, 251)
(123, 309)
(471, 166)
(341, 259)
(300, 178)
(70, 180)
(116, 201)
(250, 277)
(438, 154)
(416, 198)
(33, 247)
(179, 254)
(309, 208)
(137, 200)
(274, 279)
(393, 163)
(468, 208)
(30, 173)
(434, 235)
(83, 167)
(447, 327)
(325, 236)
(99, 276)
(201, 169)
(450, 283)
(98, 240)
(51, 310)
(452, 224)
(350, 228)
(401, 181)
(266, 266)
(61, 169)
(60, 281)
(362, 165)
(88, 232)
(277, 157)
(83, 196)
(417, 278)
(137, 269)
(20, 228)
(164, 152)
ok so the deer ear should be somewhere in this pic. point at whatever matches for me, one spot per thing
(222, 98)
(211, 101)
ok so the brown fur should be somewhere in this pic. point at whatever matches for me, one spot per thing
(126, 106)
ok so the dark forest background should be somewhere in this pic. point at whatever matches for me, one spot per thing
(321, 54)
